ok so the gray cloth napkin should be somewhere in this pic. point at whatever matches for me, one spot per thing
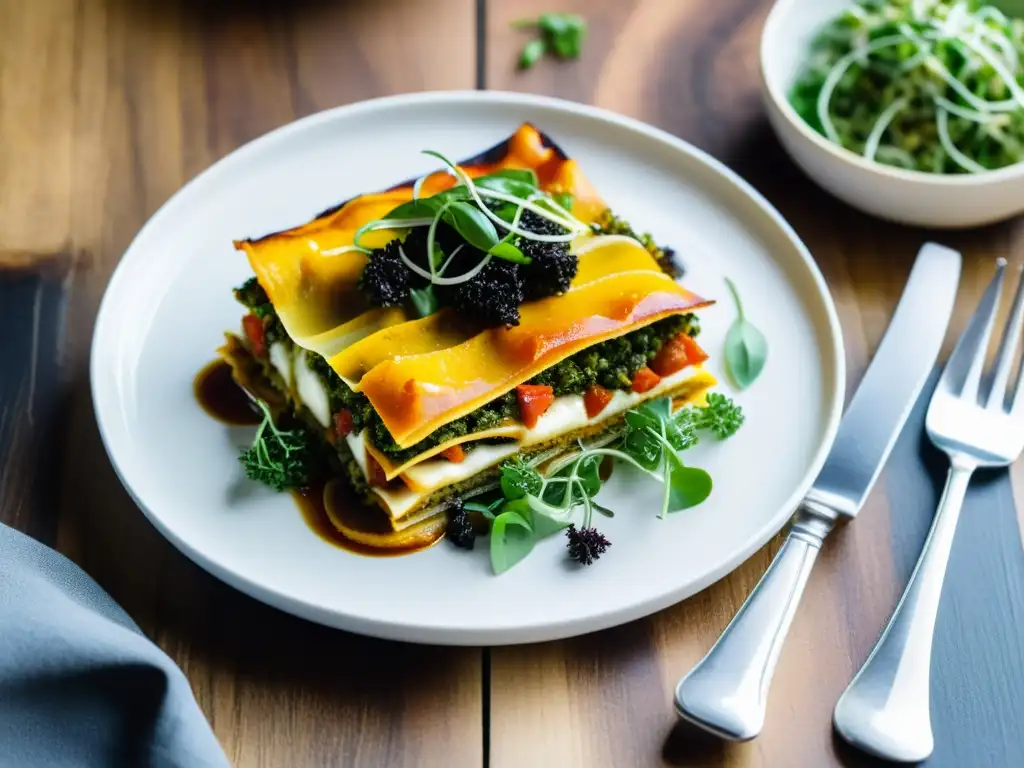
(80, 685)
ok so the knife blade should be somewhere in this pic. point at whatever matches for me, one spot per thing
(891, 384)
(726, 692)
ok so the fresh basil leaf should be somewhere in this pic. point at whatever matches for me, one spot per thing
(524, 175)
(424, 208)
(512, 539)
(681, 428)
(437, 257)
(564, 199)
(518, 479)
(520, 506)
(588, 472)
(746, 348)
(504, 249)
(543, 522)
(487, 510)
(457, 193)
(643, 446)
(475, 228)
(660, 409)
(557, 495)
(514, 187)
(424, 300)
(644, 427)
(681, 434)
(531, 52)
(639, 419)
(569, 44)
(688, 486)
(564, 33)
(553, 23)
(506, 212)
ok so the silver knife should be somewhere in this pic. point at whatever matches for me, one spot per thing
(727, 691)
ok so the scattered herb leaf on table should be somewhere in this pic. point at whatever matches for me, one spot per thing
(561, 34)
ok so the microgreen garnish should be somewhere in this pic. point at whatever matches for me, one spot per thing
(279, 458)
(512, 539)
(503, 216)
(477, 192)
(561, 34)
(563, 199)
(487, 510)
(721, 416)
(538, 499)
(746, 348)
(424, 300)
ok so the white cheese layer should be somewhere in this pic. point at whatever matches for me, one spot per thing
(434, 473)
(437, 473)
(566, 414)
(282, 362)
(311, 391)
(357, 444)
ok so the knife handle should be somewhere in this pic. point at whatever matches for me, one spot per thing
(727, 691)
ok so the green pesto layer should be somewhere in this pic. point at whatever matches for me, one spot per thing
(611, 364)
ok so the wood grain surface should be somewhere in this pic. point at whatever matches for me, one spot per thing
(108, 106)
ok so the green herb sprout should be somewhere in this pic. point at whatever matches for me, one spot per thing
(279, 458)
(925, 85)
(502, 221)
(534, 504)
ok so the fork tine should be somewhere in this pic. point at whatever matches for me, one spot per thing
(1007, 348)
(968, 358)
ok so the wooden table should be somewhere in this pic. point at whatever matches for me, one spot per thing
(107, 107)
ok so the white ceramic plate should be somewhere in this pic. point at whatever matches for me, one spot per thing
(170, 301)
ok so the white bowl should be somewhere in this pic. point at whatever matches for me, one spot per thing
(909, 197)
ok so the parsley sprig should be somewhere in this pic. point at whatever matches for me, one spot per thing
(279, 458)
(535, 502)
(561, 34)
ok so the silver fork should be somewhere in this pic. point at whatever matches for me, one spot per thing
(885, 710)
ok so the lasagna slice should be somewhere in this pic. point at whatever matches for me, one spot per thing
(425, 334)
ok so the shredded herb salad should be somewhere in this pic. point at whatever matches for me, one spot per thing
(924, 85)
(544, 496)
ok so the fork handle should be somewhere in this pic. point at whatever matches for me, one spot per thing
(885, 710)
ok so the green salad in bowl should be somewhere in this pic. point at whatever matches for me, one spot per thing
(923, 85)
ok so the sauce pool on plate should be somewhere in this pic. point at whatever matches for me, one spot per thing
(223, 399)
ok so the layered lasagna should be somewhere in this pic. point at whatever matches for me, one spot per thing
(426, 334)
